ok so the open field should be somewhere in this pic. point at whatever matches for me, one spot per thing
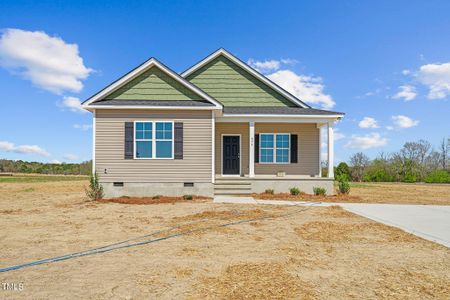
(308, 253)
(402, 193)
(389, 193)
(41, 178)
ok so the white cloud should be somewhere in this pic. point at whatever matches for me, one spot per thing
(406, 92)
(307, 88)
(6, 146)
(23, 149)
(368, 122)
(390, 127)
(270, 65)
(372, 140)
(404, 121)
(48, 62)
(406, 72)
(83, 127)
(70, 156)
(73, 104)
(437, 78)
(55, 161)
(264, 66)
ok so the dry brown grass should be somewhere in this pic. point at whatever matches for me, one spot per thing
(322, 253)
(402, 193)
(338, 232)
(337, 212)
(393, 193)
(229, 215)
(254, 281)
(402, 283)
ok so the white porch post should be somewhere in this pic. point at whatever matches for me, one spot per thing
(251, 149)
(320, 148)
(213, 147)
(330, 150)
(94, 116)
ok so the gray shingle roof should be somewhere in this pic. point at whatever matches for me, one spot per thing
(241, 110)
(154, 103)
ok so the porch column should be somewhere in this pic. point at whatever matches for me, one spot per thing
(251, 149)
(330, 150)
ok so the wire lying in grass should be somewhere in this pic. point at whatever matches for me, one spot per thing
(123, 244)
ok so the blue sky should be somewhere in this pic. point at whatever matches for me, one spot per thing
(386, 64)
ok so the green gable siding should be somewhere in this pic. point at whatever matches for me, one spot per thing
(233, 86)
(153, 84)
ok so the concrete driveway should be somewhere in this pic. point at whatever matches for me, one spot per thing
(431, 222)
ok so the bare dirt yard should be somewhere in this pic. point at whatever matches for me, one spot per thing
(293, 253)
(388, 193)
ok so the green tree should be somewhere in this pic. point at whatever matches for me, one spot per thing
(343, 170)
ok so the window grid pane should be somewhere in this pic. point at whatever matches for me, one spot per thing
(144, 149)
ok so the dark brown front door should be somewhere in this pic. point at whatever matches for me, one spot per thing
(230, 155)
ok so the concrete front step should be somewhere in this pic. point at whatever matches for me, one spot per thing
(233, 193)
(234, 182)
(232, 187)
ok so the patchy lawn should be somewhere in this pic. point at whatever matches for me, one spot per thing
(283, 253)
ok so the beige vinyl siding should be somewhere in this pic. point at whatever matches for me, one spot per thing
(308, 149)
(232, 128)
(194, 167)
(234, 86)
(153, 84)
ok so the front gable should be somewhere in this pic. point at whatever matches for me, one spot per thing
(234, 83)
(233, 86)
(153, 84)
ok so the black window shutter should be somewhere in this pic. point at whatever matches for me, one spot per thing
(178, 146)
(294, 149)
(129, 143)
(256, 148)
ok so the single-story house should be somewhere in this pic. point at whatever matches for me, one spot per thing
(218, 128)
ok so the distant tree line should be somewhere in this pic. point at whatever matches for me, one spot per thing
(20, 166)
(415, 162)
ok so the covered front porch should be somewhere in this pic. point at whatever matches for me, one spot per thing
(255, 154)
(243, 149)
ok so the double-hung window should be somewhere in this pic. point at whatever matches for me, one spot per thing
(153, 139)
(274, 148)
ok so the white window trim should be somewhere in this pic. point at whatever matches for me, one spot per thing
(274, 162)
(153, 140)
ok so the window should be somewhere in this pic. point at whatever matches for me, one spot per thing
(274, 148)
(154, 140)
(266, 148)
(282, 146)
